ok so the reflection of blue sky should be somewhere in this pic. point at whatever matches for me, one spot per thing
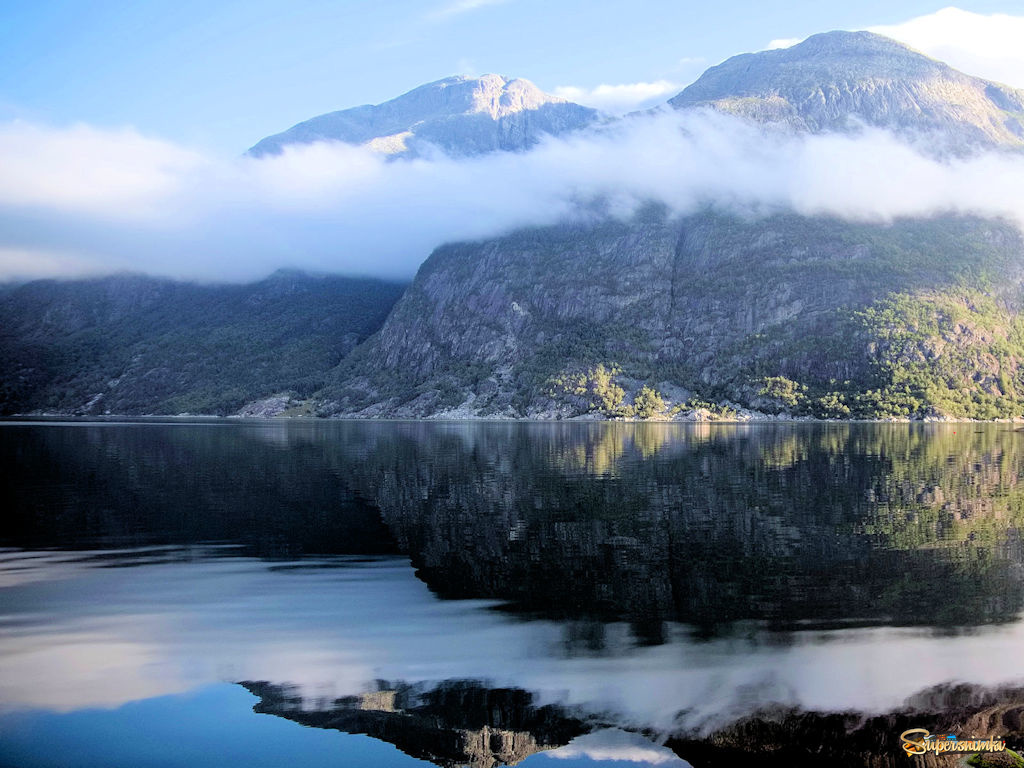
(215, 726)
(74, 636)
(212, 726)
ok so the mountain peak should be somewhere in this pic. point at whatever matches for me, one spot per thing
(462, 115)
(822, 60)
(835, 80)
(494, 95)
(852, 54)
(840, 41)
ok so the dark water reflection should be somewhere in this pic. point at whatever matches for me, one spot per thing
(500, 593)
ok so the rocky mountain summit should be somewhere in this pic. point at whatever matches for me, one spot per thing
(460, 115)
(835, 80)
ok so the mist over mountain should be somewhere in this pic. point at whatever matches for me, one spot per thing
(828, 230)
(802, 315)
(85, 201)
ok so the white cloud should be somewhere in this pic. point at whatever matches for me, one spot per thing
(463, 6)
(783, 42)
(466, 66)
(26, 262)
(614, 745)
(87, 200)
(107, 173)
(989, 46)
(619, 99)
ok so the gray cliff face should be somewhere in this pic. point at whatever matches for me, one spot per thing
(461, 115)
(708, 304)
(832, 81)
(497, 306)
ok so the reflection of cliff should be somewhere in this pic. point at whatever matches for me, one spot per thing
(901, 524)
(455, 723)
(788, 737)
(871, 523)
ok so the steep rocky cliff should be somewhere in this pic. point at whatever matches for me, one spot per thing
(804, 315)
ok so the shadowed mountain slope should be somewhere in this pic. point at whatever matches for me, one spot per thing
(130, 344)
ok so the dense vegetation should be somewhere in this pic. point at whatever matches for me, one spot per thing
(132, 344)
(955, 353)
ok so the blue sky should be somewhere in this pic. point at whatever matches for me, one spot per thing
(218, 76)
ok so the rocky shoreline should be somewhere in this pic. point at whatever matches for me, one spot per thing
(693, 417)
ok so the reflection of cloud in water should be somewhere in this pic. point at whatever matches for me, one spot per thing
(273, 432)
(103, 636)
(613, 744)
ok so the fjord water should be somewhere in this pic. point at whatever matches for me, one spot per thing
(411, 593)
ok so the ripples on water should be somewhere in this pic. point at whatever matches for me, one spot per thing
(487, 594)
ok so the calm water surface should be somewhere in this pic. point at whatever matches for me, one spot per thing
(397, 594)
